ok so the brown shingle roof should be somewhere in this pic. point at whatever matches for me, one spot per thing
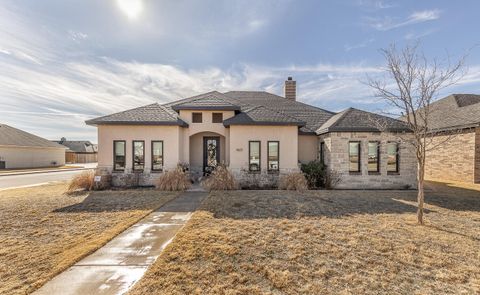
(15, 137)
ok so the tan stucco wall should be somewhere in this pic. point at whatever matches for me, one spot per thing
(29, 157)
(453, 158)
(286, 135)
(307, 148)
(337, 158)
(205, 126)
(171, 136)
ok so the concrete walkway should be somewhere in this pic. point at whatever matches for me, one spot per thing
(117, 266)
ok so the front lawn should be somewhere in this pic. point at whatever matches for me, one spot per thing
(324, 242)
(43, 231)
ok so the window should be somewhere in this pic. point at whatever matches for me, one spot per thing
(157, 155)
(254, 156)
(217, 117)
(138, 155)
(118, 155)
(322, 152)
(196, 117)
(354, 156)
(392, 154)
(273, 155)
(373, 156)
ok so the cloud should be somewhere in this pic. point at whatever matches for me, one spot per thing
(389, 23)
(375, 4)
(362, 44)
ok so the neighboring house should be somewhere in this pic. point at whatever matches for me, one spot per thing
(455, 123)
(259, 136)
(79, 151)
(20, 149)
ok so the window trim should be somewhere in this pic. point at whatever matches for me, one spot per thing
(217, 113)
(397, 158)
(133, 155)
(201, 117)
(124, 154)
(151, 155)
(359, 161)
(268, 156)
(322, 152)
(259, 156)
(377, 171)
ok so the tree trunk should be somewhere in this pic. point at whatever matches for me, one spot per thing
(421, 194)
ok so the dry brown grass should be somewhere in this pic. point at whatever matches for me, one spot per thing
(324, 242)
(43, 231)
(174, 180)
(221, 179)
(293, 182)
(83, 181)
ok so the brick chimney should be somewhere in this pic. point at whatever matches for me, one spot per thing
(291, 89)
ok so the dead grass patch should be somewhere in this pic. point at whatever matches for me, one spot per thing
(324, 242)
(221, 179)
(83, 181)
(43, 231)
(174, 180)
(293, 182)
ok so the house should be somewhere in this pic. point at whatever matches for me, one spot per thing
(20, 149)
(455, 126)
(259, 135)
(79, 151)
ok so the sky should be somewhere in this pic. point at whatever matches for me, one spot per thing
(63, 61)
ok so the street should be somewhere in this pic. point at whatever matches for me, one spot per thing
(35, 179)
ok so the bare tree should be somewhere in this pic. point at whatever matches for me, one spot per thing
(411, 84)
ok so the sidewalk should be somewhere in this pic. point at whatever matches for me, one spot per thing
(117, 266)
(71, 167)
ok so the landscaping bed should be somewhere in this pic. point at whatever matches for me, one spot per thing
(43, 231)
(324, 242)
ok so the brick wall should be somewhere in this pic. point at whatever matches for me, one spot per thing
(454, 159)
(336, 157)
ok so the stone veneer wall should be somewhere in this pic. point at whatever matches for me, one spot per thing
(454, 158)
(336, 158)
(261, 180)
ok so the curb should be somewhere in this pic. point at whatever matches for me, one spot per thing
(44, 171)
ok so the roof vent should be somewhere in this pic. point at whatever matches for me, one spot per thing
(290, 89)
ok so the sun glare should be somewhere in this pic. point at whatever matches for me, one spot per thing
(132, 8)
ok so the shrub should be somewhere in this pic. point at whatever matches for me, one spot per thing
(82, 181)
(332, 178)
(174, 180)
(294, 182)
(221, 179)
(315, 172)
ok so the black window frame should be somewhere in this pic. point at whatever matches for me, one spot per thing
(197, 113)
(259, 156)
(218, 114)
(133, 155)
(359, 160)
(124, 155)
(397, 157)
(377, 170)
(322, 153)
(151, 155)
(268, 156)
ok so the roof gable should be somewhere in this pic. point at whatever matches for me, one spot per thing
(260, 115)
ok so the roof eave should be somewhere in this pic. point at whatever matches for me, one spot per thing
(207, 108)
(154, 123)
(264, 123)
(362, 129)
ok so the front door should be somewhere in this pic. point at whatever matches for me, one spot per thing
(211, 153)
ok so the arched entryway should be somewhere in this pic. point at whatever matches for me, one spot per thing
(207, 149)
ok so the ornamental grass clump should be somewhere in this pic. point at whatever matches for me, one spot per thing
(174, 180)
(221, 179)
(293, 182)
(83, 181)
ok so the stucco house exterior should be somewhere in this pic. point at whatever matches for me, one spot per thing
(20, 149)
(258, 135)
(455, 136)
